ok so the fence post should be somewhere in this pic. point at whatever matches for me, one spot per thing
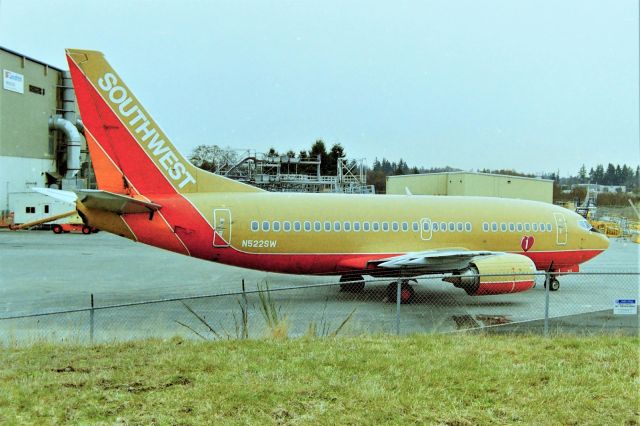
(91, 321)
(547, 284)
(398, 287)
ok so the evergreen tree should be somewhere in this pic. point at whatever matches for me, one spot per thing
(337, 151)
(318, 148)
(582, 174)
(598, 175)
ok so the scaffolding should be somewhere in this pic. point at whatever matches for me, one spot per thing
(281, 173)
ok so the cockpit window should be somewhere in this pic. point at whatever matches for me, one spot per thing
(584, 224)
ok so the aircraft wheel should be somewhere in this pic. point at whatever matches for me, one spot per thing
(407, 293)
(554, 284)
(57, 229)
(86, 230)
(352, 283)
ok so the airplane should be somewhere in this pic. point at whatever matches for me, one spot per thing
(150, 193)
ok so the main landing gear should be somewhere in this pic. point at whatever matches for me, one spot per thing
(407, 293)
(355, 284)
(352, 283)
(554, 284)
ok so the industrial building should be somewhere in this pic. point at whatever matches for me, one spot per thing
(472, 184)
(41, 142)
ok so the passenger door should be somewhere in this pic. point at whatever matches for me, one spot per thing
(561, 229)
(222, 227)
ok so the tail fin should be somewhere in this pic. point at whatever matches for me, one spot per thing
(128, 149)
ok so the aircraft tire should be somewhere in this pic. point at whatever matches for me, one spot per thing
(554, 284)
(407, 293)
(57, 229)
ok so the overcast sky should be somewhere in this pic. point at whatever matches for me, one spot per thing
(535, 86)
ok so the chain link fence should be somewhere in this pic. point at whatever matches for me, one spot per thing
(586, 303)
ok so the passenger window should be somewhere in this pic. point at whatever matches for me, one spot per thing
(494, 226)
(336, 226)
(375, 226)
(503, 227)
(255, 227)
(385, 226)
(346, 226)
(542, 227)
(395, 226)
(512, 227)
(549, 227)
(452, 227)
(317, 226)
(415, 226)
(276, 227)
(436, 227)
(519, 227)
(265, 226)
(535, 227)
(485, 226)
(460, 227)
(366, 226)
(468, 227)
(527, 227)
(307, 226)
(286, 226)
(405, 227)
(327, 226)
(297, 226)
(356, 226)
(425, 226)
(443, 226)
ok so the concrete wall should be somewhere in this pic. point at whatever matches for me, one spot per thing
(473, 184)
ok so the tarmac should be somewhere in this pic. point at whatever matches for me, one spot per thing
(42, 272)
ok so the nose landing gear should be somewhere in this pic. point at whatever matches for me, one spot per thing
(554, 284)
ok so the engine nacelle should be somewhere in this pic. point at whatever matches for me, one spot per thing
(496, 274)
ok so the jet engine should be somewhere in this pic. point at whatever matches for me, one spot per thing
(495, 274)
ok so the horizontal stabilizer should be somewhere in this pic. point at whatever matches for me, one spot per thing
(102, 200)
(117, 203)
(58, 194)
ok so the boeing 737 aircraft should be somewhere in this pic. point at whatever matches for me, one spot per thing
(150, 193)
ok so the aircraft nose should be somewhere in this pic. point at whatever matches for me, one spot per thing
(603, 242)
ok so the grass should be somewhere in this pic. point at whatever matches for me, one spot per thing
(452, 379)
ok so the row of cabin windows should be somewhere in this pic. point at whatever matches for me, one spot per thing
(338, 226)
(519, 227)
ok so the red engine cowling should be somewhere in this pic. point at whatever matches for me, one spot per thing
(496, 274)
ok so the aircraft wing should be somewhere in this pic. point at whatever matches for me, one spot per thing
(433, 260)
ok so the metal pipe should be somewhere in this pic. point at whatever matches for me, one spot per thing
(41, 221)
(80, 126)
(73, 143)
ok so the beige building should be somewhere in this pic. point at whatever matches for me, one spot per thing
(41, 142)
(472, 184)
